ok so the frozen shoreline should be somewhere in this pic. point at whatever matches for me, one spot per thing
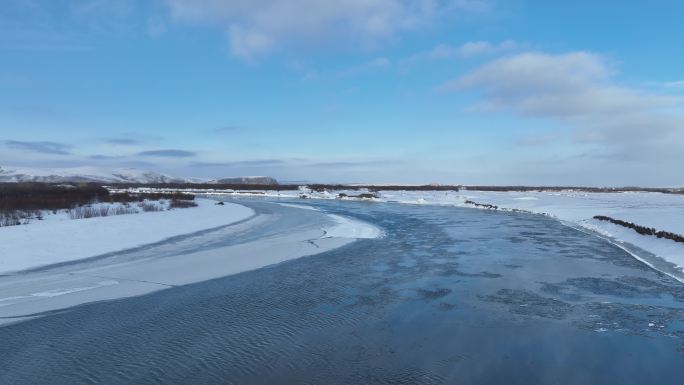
(256, 240)
(661, 211)
(652, 209)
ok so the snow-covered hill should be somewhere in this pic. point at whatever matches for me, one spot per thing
(261, 180)
(84, 174)
(112, 175)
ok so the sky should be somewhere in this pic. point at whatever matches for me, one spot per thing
(494, 92)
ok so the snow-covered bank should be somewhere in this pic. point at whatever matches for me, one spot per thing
(61, 239)
(272, 235)
(660, 211)
(657, 210)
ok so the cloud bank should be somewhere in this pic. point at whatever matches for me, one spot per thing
(579, 89)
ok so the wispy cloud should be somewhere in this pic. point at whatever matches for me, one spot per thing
(257, 28)
(168, 153)
(227, 129)
(539, 140)
(122, 141)
(243, 163)
(53, 148)
(354, 163)
(466, 50)
(473, 48)
(105, 157)
(674, 84)
(375, 64)
(296, 162)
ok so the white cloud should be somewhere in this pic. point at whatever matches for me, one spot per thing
(476, 48)
(578, 88)
(466, 50)
(258, 27)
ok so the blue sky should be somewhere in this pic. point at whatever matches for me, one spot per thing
(384, 91)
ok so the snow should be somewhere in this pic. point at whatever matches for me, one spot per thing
(350, 228)
(344, 227)
(112, 175)
(59, 239)
(85, 173)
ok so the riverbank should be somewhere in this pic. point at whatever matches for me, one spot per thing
(660, 211)
(265, 234)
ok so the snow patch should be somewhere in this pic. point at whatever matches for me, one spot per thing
(351, 228)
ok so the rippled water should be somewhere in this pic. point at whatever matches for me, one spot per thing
(449, 295)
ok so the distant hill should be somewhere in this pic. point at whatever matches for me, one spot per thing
(84, 174)
(252, 180)
(115, 175)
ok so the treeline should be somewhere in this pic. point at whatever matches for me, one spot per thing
(207, 186)
(642, 229)
(320, 187)
(42, 196)
(22, 202)
(126, 197)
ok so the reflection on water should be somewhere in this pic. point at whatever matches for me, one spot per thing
(448, 296)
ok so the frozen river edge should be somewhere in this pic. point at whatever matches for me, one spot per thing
(272, 234)
(574, 208)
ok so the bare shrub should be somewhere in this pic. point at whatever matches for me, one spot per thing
(643, 230)
(18, 217)
(78, 212)
(126, 209)
(9, 219)
(103, 211)
(148, 207)
(181, 204)
(84, 212)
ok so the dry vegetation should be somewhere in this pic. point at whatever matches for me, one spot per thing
(21, 202)
(643, 230)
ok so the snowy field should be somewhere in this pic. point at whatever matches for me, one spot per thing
(57, 238)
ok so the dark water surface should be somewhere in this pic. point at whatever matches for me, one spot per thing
(448, 296)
